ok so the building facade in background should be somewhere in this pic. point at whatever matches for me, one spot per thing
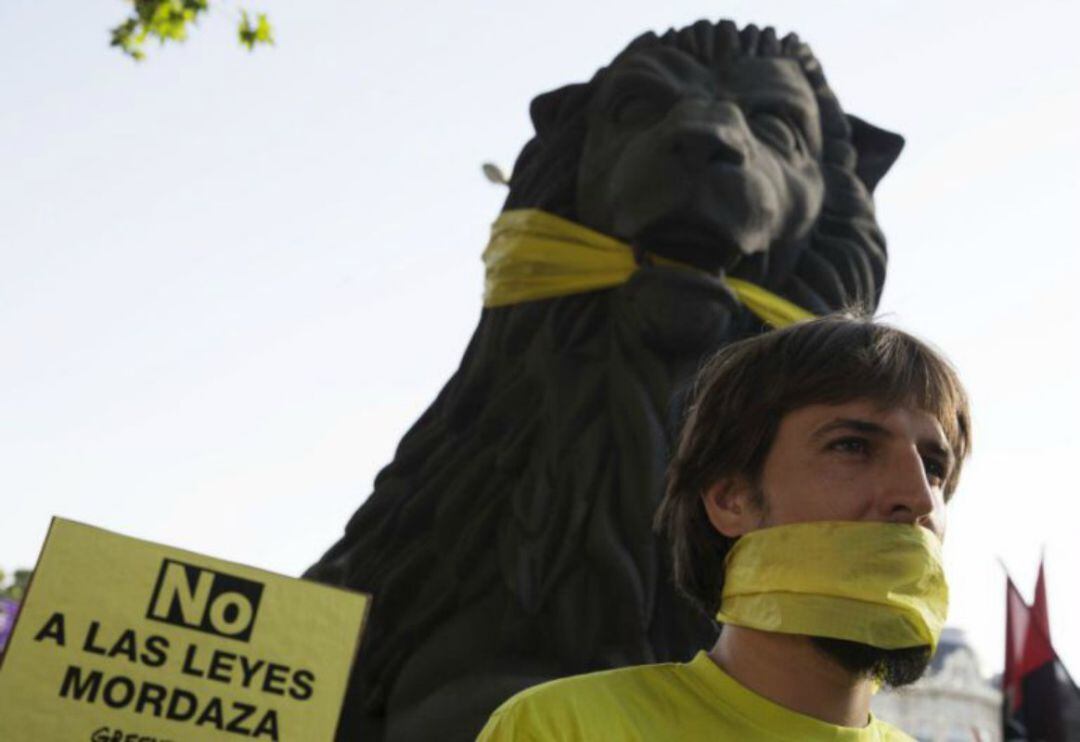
(953, 702)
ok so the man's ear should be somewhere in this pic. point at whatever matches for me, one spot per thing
(729, 504)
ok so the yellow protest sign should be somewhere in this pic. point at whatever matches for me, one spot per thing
(121, 639)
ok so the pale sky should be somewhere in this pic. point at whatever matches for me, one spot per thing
(229, 282)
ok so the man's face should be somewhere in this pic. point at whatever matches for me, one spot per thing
(849, 462)
(857, 462)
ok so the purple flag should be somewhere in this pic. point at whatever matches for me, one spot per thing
(8, 609)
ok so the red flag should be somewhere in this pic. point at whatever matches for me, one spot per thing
(1040, 700)
(1017, 619)
(1040, 611)
(1037, 649)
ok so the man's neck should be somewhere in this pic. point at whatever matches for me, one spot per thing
(791, 671)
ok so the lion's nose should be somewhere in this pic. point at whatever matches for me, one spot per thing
(709, 144)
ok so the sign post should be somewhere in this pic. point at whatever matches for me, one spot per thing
(121, 639)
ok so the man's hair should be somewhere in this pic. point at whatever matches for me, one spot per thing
(744, 391)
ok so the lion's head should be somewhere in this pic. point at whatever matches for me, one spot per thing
(722, 148)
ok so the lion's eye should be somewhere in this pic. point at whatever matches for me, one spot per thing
(637, 107)
(631, 109)
(776, 131)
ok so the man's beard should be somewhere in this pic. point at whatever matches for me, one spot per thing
(891, 667)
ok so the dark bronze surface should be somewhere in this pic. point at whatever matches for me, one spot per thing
(509, 542)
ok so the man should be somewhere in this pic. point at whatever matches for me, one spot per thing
(805, 507)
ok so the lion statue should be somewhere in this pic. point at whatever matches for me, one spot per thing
(509, 542)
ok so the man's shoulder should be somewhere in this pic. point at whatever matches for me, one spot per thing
(568, 708)
(619, 676)
(886, 732)
(620, 686)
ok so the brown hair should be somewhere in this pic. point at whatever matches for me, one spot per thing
(741, 395)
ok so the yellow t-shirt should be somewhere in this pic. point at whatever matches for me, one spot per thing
(655, 703)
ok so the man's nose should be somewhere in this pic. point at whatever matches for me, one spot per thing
(710, 135)
(908, 496)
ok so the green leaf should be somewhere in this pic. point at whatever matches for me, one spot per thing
(171, 20)
(258, 33)
(125, 37)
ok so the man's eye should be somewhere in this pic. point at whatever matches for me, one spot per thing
(935, 469)
(851, 445)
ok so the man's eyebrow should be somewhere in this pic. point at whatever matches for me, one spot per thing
(850, 423)
(944, 450)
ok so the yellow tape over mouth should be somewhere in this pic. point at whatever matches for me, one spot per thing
(881, 584)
